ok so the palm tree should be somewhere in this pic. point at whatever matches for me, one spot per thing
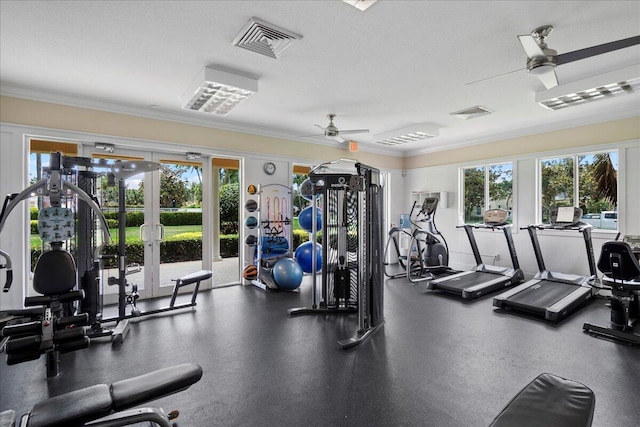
(606, 178)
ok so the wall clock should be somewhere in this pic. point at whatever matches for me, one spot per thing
(269, 168)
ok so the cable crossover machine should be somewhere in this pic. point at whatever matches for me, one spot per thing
(352, 272)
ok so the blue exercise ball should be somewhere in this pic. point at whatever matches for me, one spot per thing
(305, 220)
(304, 255)
(287, 274)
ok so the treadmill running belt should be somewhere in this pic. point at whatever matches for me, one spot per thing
(468, 280)
(542, 294)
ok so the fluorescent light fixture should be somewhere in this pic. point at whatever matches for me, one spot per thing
(218, 92)
(603, 86)
(407, 134)
(104, 146)
(360, 4)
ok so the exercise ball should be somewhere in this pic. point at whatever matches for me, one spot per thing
(305, 220)
(306, 189)
(251, 222)
(250, 272)
(287, 274)
(304, 255)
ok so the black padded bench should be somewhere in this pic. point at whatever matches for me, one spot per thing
(92, 403)
(549, 400)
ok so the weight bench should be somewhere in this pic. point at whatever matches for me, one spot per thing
(105, 405)
(549, 400)
(189, 279)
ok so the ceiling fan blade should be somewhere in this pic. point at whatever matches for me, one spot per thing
(337, 138)
(530, 46)
(355, 131)
(320, 127)
(588, 52)
(310, 136)
(549, 79)
(494, 77)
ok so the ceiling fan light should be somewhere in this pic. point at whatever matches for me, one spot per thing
(540, 69)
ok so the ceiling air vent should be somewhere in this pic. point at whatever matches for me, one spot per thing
(471, 113)
(264, 38)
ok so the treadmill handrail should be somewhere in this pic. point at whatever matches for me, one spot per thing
(583, 228)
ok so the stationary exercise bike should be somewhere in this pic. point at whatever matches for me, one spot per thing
(428, 252)
(619, 263)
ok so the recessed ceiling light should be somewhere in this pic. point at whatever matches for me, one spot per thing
(219, 92)
(604, 86)
(590, 95)
(407, 134)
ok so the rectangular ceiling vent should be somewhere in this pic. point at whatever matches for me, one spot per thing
(265, 38)
(360, 4)
(472, 113)
(590, 95)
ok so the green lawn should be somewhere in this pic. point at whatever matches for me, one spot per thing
(133, 233)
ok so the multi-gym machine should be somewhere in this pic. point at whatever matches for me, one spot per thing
(88, 249)
(352, 271)
(427, 256)
(53, 325)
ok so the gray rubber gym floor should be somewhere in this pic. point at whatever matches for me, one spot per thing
(437, 362)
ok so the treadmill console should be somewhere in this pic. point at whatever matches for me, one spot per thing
(565, 216)
(429, 205)
(495, 217)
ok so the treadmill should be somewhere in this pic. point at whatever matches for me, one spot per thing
(483, 278)
(553, 295)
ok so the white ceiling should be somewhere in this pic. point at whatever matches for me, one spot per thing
(397, 64)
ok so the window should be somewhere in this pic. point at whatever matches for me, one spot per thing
(487, 187)
(589, 181)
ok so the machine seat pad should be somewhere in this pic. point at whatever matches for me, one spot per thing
(154, 385)
(55, 273)
(194, 277)
(549, 400)
(73, 408)
(8, 418)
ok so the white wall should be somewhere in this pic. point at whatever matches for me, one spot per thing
(562, 251)
(13, 179)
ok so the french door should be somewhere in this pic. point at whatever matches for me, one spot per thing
(164, 210)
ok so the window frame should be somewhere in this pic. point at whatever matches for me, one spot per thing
(486, 167)
(575, 156)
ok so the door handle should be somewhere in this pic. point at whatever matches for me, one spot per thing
(143, 232)
(160, 232)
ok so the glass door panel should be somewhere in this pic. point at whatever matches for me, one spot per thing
(137, 193)
(178, 247)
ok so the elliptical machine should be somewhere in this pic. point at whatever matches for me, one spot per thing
(428, 253)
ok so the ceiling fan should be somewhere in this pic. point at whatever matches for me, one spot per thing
(542, 61)
(332, 132)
